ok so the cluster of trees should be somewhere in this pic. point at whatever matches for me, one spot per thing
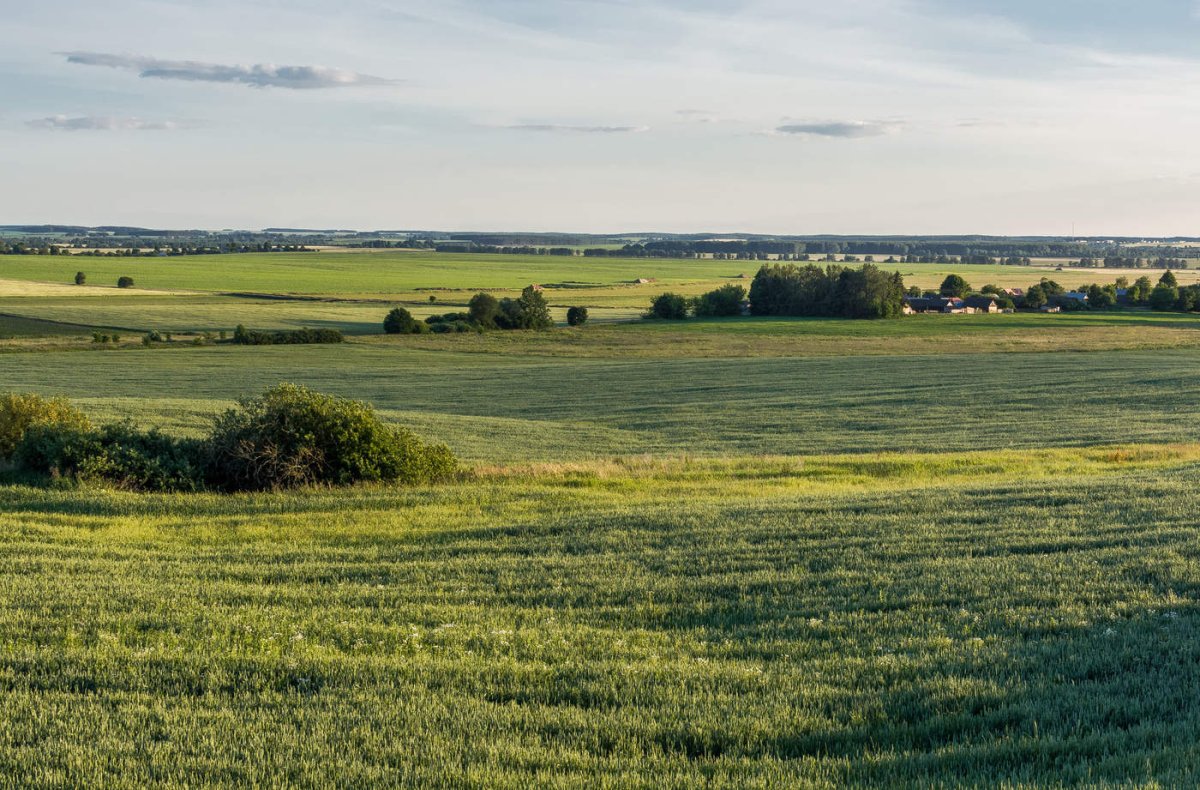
(724, 301)
(473, 247)
(835, 291)
(1123, 262)
(251, 337)
(1165, 295)
(485, 312)
(285, 438)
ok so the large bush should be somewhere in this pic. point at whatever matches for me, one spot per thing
(400, 322)
(290, 436)
(483, 309)
(724, 301)
(124, 282)
(117, 455)
(577, 316)
(670, 307)
(19, 413)
(528, 312)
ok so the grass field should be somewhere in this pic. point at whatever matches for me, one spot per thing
(405, 273)
(938, 551)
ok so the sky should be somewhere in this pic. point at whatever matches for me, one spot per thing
(1026, 117)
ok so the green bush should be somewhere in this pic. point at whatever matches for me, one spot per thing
(290, 436)
(19, 413)
(577, 316)
(250, 337)
(724, 301)
(117, 455)
(80, 278)
(483, 309)
(124, 282)
(400, 322)
(669, 307)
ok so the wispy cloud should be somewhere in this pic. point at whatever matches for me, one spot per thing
(259, 75)
(554, 127)
(103, 123)
(843, 129)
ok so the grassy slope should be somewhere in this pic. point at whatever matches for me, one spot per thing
(1027, 620)
(404, 272)
(984, 611)
(493, 406)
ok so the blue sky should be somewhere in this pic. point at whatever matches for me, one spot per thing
(790, 116)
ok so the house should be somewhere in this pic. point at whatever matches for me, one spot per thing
(1078, 296)
(537, 287)
(982, 304)
(933, 304)
(1015, 293)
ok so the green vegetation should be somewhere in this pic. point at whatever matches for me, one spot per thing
(724, 552)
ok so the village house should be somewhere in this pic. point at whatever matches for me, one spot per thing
(984, 303)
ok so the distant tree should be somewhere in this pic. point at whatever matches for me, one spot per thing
(1101, 297)
(1163, 298)
(400, 322)
(955, 285)
(1139, 292)
(1051, 288)
(1168, 279)
(124, 282)
(432, 298)
(1122, 282)
(80, 278)
(483, 309)
(670, 307)
(724, 301)
(1035, 297)
(577, 316)
(991, 289)
(535, 313)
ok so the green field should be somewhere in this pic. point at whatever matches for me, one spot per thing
(937, 551)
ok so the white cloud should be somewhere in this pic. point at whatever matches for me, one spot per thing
(102, 123)
(554, 127)
(843, 129)
(260, 75)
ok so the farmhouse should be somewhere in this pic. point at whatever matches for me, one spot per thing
(933, 304)
(982, 304)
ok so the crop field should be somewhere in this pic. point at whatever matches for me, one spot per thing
(953, 551)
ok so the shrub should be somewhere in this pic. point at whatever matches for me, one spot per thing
(447, 318)
(290, 436)
(483, 309)
(19, 413)
(80, 278)
(250, 337)
(400, 322)
(118, 455)
(724, 301)
(124, 282)
(577, 316)
(670, 307)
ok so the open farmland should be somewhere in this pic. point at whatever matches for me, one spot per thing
(941, 550)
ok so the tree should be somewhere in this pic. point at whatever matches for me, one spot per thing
(80, 278)
(1163, 298)
(724, 301)
(1139, 292)
(483, 309)
(1101, 297)
(1168, 279)
(577, 316)
(400, 322)
(124, 282)
(535, 313)
(955, 285)
(1035, 297)
(669, 307)
(991, 289)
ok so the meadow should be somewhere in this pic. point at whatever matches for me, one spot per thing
(939, 551)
